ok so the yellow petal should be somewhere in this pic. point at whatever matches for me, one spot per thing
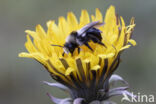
(96, 67)
(72, 21)
(31, 33)
(86, 60)
(63, 26)
(93, 18)
(84, 18)
(24, 54)
(69, 70)
(125, 47)
(103, 56)
(133, 42)
(132, 20)
(110, 15)
(39, 57)
(98, 15)
(122, 37)
(40, 31)
(29, 45)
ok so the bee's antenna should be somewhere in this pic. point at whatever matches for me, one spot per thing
(56, 45)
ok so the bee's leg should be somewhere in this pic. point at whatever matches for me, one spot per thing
(88, 46)
(99, 42)
(63, 53)
(72, 54)
(96, 40)
(79, 50)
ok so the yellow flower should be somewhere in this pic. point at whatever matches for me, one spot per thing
(87, 68)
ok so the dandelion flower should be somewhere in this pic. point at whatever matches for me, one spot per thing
(87, 75)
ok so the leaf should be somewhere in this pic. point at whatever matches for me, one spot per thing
(60, 101)
(95, 102)
(120, 91)
(112, 92)
(66, 101)
(54, 99)
(78, 101)
(116, 78)
(108, 102)
(58, 85)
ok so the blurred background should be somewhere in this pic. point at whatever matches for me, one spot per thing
(21, 78)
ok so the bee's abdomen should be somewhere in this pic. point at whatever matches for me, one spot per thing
(93, 32)
(94, 35)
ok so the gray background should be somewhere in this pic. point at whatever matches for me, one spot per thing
(20, 78)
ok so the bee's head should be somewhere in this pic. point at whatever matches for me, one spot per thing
(69, 47)
(73, 33)
(66, 50)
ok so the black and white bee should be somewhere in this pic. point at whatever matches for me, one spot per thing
(81, 37)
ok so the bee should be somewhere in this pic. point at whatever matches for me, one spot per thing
(81, 37)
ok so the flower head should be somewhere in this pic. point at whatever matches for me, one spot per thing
(87, 73)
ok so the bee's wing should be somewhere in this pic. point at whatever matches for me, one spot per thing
(88, 26)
